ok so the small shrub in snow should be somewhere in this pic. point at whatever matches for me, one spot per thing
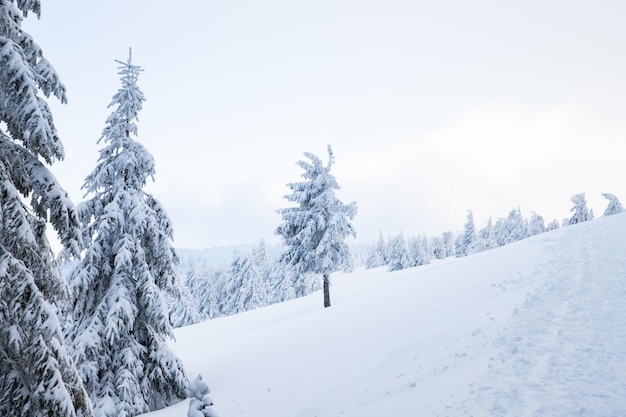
(200, 404)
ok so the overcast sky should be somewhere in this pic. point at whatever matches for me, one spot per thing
(431, 107)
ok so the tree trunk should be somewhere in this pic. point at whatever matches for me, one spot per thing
(326, 291)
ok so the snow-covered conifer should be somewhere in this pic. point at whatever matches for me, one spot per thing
(418, 254)
(439, 250)
(121, 320)
(398, 253)
(428, 248)
(580, 211)
(466, 239)
(485, 239)
(315, 230)
(37, 374)
(245, 287)
(512, 228)
(448, 243)
(536, 224)
(554, 224)
(614, 207)
(181, 305)
(517, 226)
(281, 284)
(377, 255)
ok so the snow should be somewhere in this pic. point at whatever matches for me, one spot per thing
(534, 328)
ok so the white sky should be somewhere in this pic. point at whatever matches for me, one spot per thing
(432, 108)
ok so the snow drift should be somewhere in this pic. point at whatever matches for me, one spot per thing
(535, 328)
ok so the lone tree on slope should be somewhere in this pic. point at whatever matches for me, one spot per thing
(315, 230)
(121, 321)
(37, 375)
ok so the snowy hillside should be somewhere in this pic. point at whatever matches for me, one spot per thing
(535, 328)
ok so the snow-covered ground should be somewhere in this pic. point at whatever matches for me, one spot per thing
(535, 328)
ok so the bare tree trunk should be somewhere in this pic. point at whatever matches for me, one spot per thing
(326, 291)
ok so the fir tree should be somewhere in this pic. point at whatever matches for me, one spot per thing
(465, 240)
(439, 249)
(398, 254)
(181, 305)
(418, 254)
(315, 230)
(246, 290)
(536, 224)
(485, 239)
(37, 374)
(614, 207)
(580, 211)
(121, 320)
(553, 225)
(448, 243)
(270, 272)
(512, 228)
(378, 254)
(198, 278)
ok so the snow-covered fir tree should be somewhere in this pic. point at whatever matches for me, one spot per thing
(182, 308)
(245, 287)
(37, 374)
(219, 284)
(580, 212)
(554, 224)
(281, 283)
(466, 239)
(121, 323)
(202, 282)
(377, 255)
(438, 247)
(276, 282)
(485, 238)
(536, 224)
(315, 230)
(448, 243)
(512, 228)
(428, 247)
(418, 252)
(614, 207)
(398, 253)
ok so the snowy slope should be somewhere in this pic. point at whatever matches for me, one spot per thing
(535, 328)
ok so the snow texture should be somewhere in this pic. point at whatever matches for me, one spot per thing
(534, 328)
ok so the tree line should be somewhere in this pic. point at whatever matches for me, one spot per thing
(256, 278)
(399, 253)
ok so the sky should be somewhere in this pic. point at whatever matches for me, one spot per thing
(431, 108)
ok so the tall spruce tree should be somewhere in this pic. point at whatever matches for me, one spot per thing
(121, 322)
(316, 229)
(37, 374)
